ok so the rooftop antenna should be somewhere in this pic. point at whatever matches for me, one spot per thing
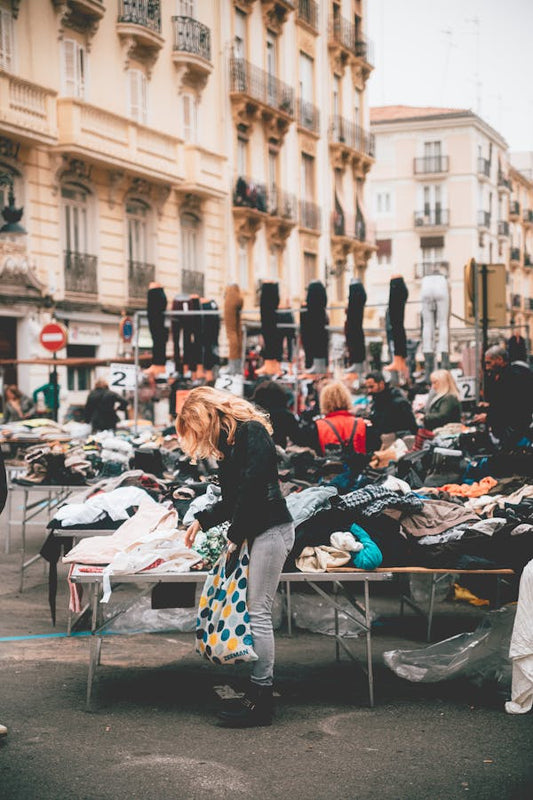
(448, 34)
(477, 33)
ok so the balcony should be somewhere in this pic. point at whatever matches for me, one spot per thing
(193, 282)
(514, 209)
(204, 172)
(308, 117)
(253, 90)
(192, 51)
(527, 216)
(364, 49)
(527, 259)
(514, 255)
(432, 218)
(348, 46)
(424, 268)
(503, 182)
(81, 275)
(139, 277)
(139, 27)
(275, 13)
(282, 214)
(307, 14)
(27, 111)
(350, 143)
(431, 165)
(503, 227)
(516, 300)
(250, 206)
(483, 219)
(350, 233)
(310, 216)
(483, 167)
(101, 137)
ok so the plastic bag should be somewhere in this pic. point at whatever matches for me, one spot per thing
(140, 617)
(420, 587)
(481, 655)
(313, 614)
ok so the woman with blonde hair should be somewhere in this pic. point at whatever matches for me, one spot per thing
(237, 434)
(443, 404)
(339, 426)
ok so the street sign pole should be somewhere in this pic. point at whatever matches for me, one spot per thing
(55, 388)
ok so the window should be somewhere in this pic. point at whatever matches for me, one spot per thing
(336, 95)
(271, 67)
(240, 35)
(75, 216)
(272, 170)
(357, 107)
(308, 177)
(383, 203)
(190, 230)
(273, 263)
(74, 68)
(6, 40)
(384, 252)
(137, 96)
(242, 258)
(137, 215)
(306, 78)
(190, 117)
(432, 150)
(241, 157)
(309, 268)
(79, 379)
(187, 8)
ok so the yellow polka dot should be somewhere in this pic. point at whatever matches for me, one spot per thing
(232, 587)
(203, 601)
(216, 580)
(213, 639)
(214, 607)
(232, 643)
(226, 612)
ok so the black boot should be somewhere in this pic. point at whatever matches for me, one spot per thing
(253, 710)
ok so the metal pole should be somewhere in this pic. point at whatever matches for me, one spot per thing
(485, 315)
(136, 323)
(55, 389)
(476, 331)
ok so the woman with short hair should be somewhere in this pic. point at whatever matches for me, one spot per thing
(339, 426)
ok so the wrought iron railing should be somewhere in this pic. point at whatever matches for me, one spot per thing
(308, 116)
(281, 204)
(350, 226)
(516, 300)
(483, 219)
(428, 165)
(140, 275)
(141, 12)
(527, 259)
(248, 79)
(503, 227)
(81, 273)
(308, 12)
(192, 281)
(515, 254)
(432, 268)
(483, 166)
(364, 48)
(191, 36)
(514, 208)
(432, 217)
(527, 215)
(342, 131)
(249, 193)
(309, 215)
(503, 181)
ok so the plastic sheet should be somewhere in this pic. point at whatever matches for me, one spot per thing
(312, 613)
(482, 655)
(140, 617)
(420, 588)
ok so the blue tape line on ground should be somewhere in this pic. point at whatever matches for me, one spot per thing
(51, 636)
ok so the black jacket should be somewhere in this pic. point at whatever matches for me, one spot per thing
(392, 412)
(3, 483)
(511, 404)
(251, 497)
(100, 409)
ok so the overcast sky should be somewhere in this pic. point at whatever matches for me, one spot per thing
(433, 53)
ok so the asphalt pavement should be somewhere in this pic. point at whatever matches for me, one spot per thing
(152, 732)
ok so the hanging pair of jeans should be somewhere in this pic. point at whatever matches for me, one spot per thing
(269, 324)
(156, 306)
(188, 330)
(398, 295)
(353, 328)
(435, 298)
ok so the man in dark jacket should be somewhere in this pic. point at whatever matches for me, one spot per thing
(509, 393)
(101, 407)
(391, 411)
(3, 498)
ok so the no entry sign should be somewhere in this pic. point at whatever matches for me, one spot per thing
(53, 336)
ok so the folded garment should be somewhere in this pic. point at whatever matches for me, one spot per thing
(344, 540)
(320, 559)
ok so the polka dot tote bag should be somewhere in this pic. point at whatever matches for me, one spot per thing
(223, 632)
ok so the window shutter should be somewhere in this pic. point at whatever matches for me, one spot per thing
(384, 248)
(6, 39)
(81, 69)
(428, 242)
(69, 67)
(186, 100)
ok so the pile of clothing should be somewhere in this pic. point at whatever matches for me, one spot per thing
(56, 464)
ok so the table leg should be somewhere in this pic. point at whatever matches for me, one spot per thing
(368, 623)
(24, 515)
(336, 617)
(289, 607)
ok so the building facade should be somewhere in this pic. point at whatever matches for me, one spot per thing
(191, 142)
(441, 193)
(521, 250)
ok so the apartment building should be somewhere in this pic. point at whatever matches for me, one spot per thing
(194, 142)
(521, 236)
(440, 193)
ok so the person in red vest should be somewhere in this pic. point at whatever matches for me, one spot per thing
(339, 426)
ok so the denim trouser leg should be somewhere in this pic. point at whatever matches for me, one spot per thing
(268, 554)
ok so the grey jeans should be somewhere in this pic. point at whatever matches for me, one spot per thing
(267, 557)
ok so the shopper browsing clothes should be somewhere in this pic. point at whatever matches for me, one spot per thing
(17, 405)
(391, 411)
(217, 424)
(509, 393)
(443, 403)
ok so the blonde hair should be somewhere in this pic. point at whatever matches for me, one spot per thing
(335, 397)
(445, 381)
(207, 412)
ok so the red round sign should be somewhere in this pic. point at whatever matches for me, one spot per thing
(53, 336)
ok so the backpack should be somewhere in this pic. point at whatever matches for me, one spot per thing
(343, 451)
